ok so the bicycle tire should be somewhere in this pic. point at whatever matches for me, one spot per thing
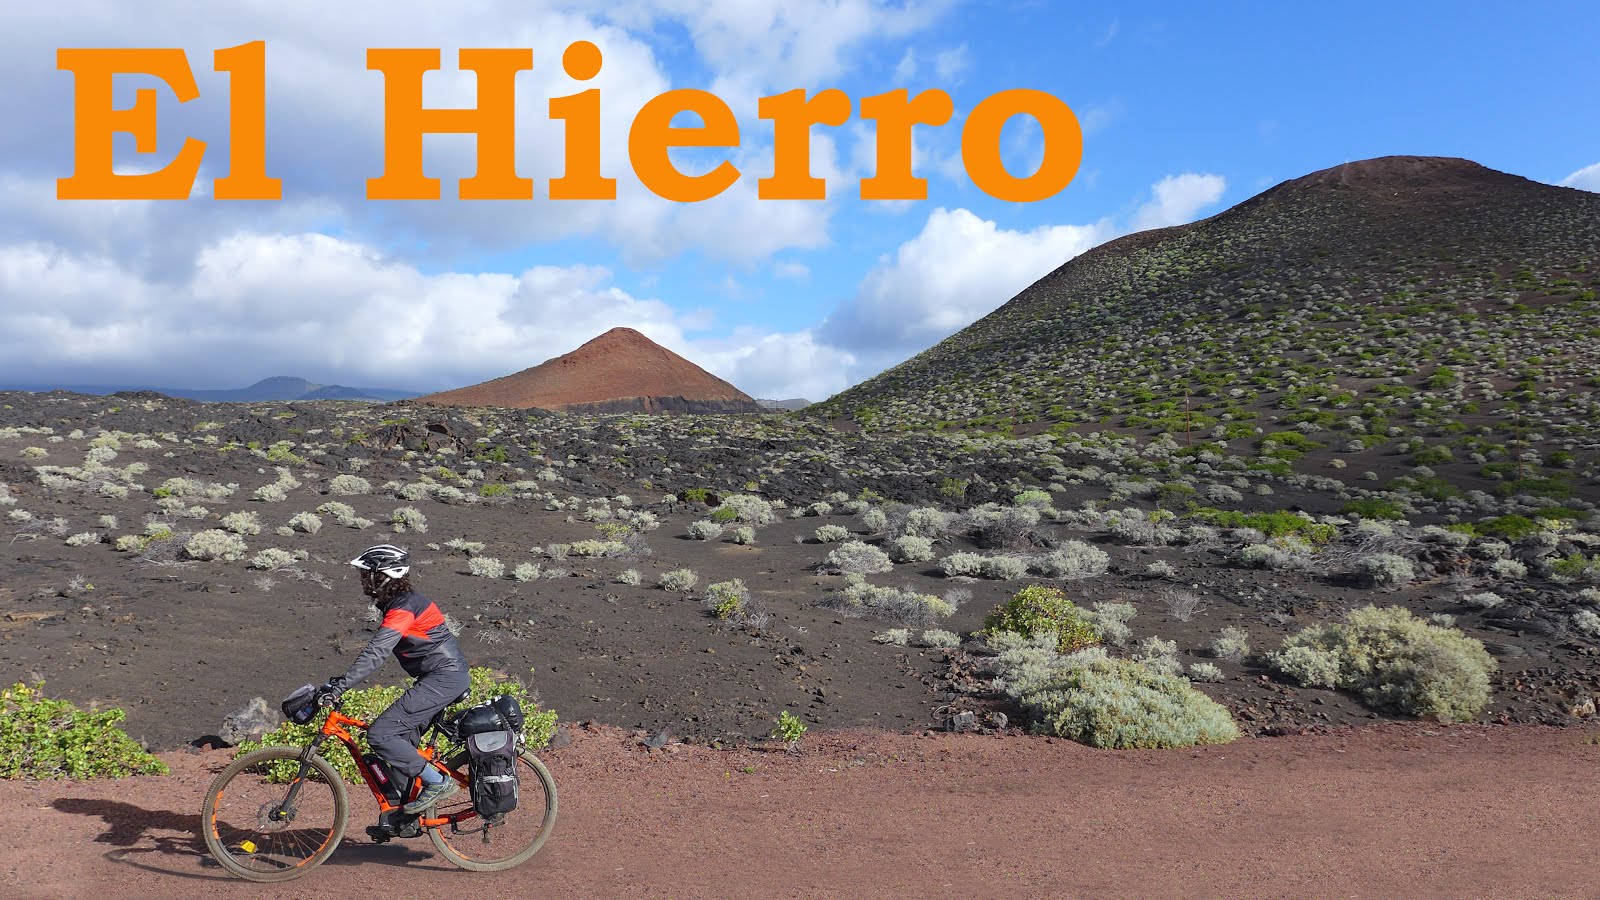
(218, 846)
(450, 846)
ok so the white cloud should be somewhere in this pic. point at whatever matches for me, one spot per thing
(337, 311)
(778, 366)
(951, 64)
(961, 267)
(906, 68)
(1177, 199)
(1585, 179)
(304, 304)
(957, 269)
(325, 110)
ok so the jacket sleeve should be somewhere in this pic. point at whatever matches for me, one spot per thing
(377, 650)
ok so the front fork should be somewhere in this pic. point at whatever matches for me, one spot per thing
(284, 812)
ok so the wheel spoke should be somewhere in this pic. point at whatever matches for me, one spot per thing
(480, 845)
(253, 835)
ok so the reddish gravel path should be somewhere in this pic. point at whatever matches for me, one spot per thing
(1424, 811)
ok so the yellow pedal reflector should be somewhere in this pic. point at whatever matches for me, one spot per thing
(247, 846)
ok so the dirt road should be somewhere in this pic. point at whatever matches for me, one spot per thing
(1415, 810)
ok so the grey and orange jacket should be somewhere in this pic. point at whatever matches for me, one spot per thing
(414, 629)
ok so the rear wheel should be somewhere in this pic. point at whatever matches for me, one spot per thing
(255, 831)
(483, 847)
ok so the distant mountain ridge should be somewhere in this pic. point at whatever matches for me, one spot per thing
(791, 405)
(280, 388)
(620, 371)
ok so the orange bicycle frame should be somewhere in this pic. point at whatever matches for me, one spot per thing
(334, 727)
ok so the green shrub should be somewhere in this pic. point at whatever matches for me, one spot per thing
(726, 598)
(1036, 609)
(1122, 704)
(1373, 508)
(1277, 523)
(1393, 660)
(44, 738)
(789, 728)
(696, 495)
(1432, 456)
(366, 703)
(494, 490)
(1510, 528)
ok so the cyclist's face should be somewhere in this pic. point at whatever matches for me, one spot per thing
(368, 582)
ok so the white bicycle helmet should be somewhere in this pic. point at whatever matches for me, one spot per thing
(385, 559)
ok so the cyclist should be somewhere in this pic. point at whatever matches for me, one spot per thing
(414, 629)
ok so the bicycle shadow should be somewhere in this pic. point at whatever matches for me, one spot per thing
(169, 843)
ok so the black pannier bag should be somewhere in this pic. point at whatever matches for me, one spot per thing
(301, 706)
(510, 709)
(492, 758)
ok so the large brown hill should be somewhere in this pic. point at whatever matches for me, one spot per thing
(1395, 312)
(619, 371)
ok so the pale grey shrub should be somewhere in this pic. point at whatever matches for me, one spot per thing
(486, 567)
(962, 563)
(1073, 560)
(1202, 671)
(1183, 605)
(925, 521)
(857, 558)
(748, 509)
(629, 577)
(1586, 621)
(1233, 643)
(526, 572)
(592, 549)
(1159, 655)
(939, 638)
(705, 530)
(271, 559)
(1110, 621)
(742, 534)
(1508, 569)
(679, 580)
(1308, 665)
(83, 539)
(408, 518)
(910, 548)
(1483, 600)
(272, 493)
(1140, 527)
(310, 523)
(214, 544)
(897, 636)
(1003, 568)
(875, 520)
(830, 534)
(247, 523)
(107, 522)
(349, 485)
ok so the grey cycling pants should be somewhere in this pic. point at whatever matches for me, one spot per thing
(395, 733)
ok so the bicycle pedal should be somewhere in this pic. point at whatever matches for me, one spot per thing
(379, 834)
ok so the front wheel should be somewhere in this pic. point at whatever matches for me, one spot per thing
(482, 847)
(262, 823)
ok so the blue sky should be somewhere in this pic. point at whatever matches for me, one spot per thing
(1187, 109)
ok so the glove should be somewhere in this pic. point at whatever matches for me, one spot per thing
(331, 692)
